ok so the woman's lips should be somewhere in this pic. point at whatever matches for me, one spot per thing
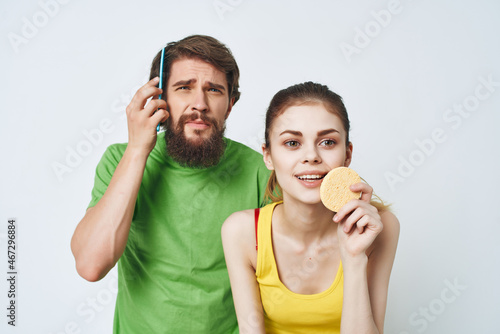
(311, 180)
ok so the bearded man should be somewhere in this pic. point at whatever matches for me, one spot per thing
(159, 201)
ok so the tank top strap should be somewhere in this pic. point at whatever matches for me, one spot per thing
(256, 214)
(265, 256)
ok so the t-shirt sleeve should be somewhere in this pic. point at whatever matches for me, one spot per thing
(105, 170)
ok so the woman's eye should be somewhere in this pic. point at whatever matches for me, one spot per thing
(292, 143)
(328, 142)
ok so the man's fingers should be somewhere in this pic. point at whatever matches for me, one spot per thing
(154, 105)
(143, 94)
(160, 116)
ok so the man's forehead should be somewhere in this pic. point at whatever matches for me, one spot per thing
(194, 70)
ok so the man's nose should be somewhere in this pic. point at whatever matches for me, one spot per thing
(199, 102)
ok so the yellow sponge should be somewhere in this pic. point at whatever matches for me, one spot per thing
(334, 190)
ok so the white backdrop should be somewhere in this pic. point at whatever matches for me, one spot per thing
(420, 79)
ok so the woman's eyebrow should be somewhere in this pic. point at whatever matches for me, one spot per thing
(327, 131)
(295, 133)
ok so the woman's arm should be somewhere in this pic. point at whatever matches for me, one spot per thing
(380, 265)
(238, 239)
(368, 242)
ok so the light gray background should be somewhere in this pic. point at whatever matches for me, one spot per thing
(77, 70)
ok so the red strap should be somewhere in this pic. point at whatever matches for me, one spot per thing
(257, 211)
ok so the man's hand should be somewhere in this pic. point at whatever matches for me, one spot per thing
(101, 236)
(144, 116)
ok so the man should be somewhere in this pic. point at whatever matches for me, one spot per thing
(159, 201)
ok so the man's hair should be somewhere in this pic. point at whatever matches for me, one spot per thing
(205, 48)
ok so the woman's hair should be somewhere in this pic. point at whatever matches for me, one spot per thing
(205, 48)
(304, 94)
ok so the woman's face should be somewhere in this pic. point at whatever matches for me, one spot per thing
(306, 142)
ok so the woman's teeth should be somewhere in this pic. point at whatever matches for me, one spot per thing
(310, 177)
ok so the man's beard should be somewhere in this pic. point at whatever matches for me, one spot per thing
(197, 152)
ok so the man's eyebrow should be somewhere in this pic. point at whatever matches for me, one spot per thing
(191, 81)
(292, 132)
(327, 131)
(216, 86)
(184, 82)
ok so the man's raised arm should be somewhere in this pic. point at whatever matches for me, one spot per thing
(101, 236)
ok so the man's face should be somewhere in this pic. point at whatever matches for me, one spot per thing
(198, 102)
(197, 96)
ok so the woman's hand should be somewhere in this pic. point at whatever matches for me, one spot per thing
(359, 223)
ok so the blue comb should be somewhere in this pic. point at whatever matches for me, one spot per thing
(161, 79)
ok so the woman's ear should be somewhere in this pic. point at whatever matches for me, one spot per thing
(267, 157)
(348, 155)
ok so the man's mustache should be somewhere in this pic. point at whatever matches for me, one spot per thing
(194, 116)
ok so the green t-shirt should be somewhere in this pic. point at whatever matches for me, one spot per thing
(172, 277)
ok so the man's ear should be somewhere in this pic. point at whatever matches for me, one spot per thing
(348, 155)
(229, 107)
(267, 157)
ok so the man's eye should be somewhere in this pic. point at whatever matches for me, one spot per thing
(292, 143)
(183, 88)
(215, 90)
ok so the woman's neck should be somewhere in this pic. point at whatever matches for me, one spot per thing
(306, 223)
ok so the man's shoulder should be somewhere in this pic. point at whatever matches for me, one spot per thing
(117, 147)
(114, 152)
(234, 147)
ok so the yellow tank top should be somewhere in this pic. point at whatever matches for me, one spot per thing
(286, 311)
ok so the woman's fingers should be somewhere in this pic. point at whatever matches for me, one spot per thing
(354, 219)
(365, 189)
(350, 207)
(356, 214)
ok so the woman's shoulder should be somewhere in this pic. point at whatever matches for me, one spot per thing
(238, 236)
(239, 224)
(386, 242)
(389, 221)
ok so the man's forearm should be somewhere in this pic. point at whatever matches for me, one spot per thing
(101, 236)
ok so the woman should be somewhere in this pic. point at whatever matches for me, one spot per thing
(297, 271)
